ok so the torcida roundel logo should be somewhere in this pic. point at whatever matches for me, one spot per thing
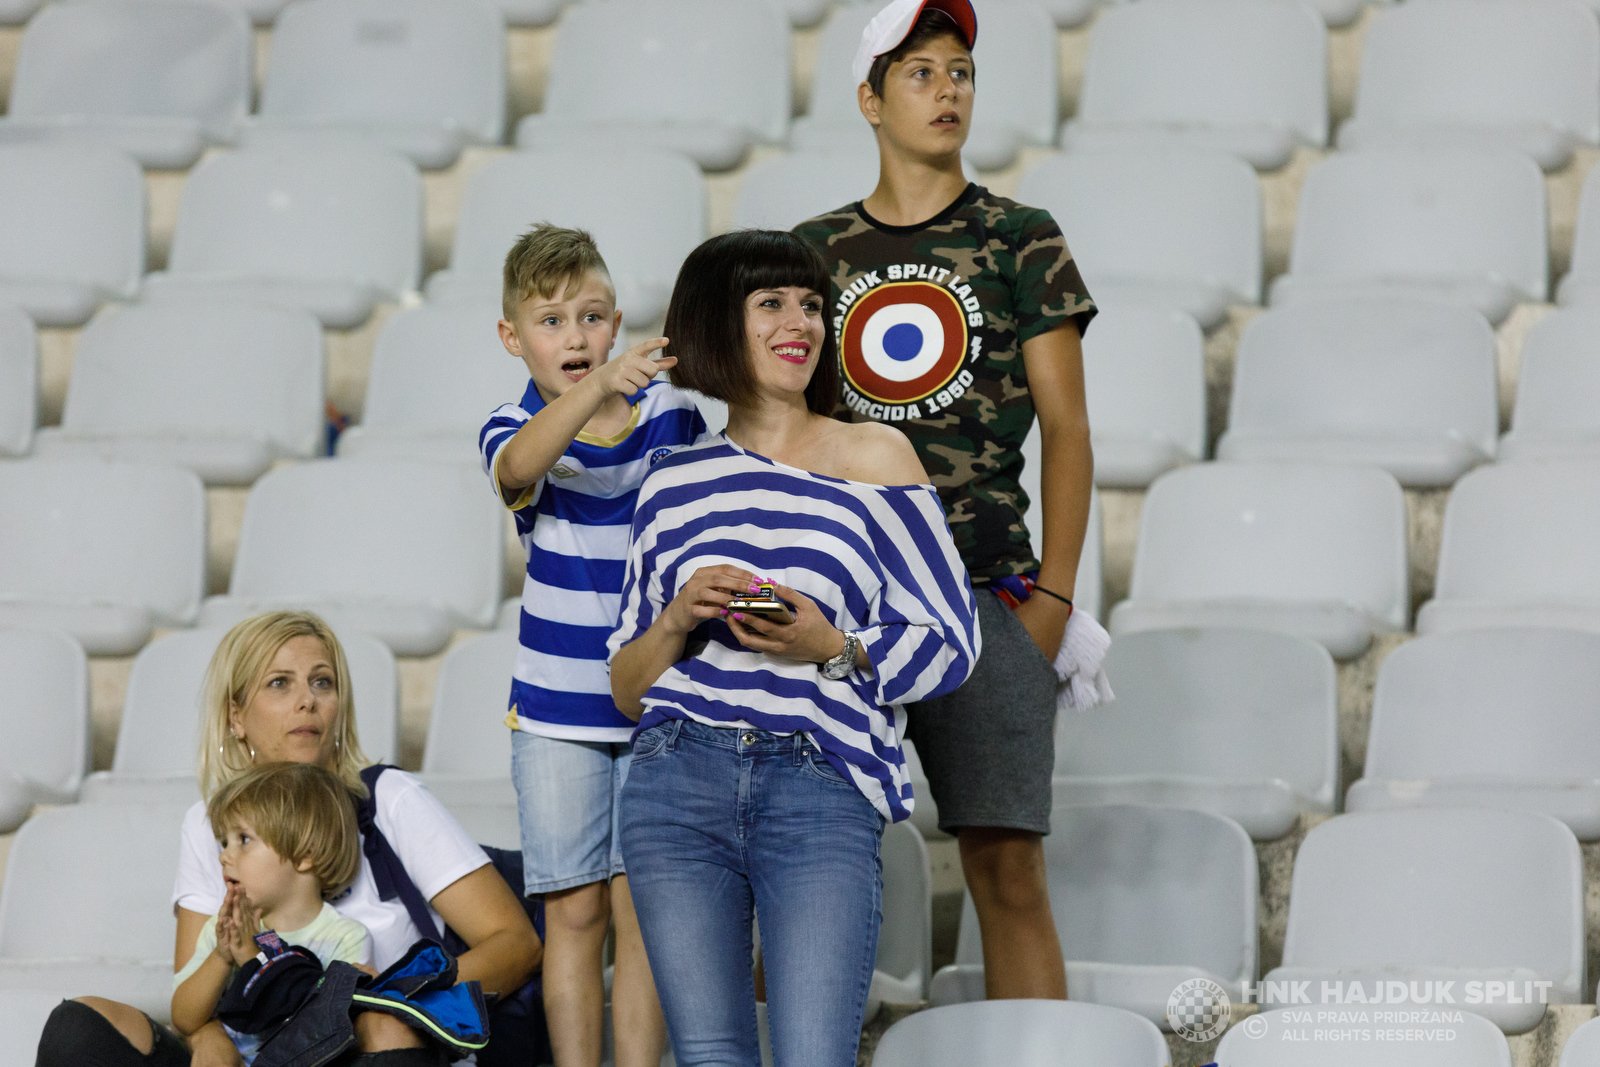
(903, 341)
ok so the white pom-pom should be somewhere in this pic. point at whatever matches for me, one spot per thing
(1080, 664)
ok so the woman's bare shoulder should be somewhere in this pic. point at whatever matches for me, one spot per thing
(879, 454)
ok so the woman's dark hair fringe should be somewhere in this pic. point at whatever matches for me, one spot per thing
(705, 318)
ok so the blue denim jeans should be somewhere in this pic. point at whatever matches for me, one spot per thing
(719, 825)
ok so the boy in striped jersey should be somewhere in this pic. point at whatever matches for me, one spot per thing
(568, 460)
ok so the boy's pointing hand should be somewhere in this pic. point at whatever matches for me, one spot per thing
(632, 370)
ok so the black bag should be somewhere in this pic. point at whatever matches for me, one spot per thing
(517, 1031)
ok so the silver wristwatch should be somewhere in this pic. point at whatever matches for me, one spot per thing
(841, 665)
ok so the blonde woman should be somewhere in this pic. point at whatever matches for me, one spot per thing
(278, 689)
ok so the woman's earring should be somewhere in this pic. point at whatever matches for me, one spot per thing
(252, 749)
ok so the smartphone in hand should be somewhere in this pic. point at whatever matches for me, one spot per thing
(764, 603)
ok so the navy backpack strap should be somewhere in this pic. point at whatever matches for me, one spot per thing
(388, 873)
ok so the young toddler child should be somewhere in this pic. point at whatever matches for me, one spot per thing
(289, 843)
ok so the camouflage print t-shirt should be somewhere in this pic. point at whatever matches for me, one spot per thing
(930, 321)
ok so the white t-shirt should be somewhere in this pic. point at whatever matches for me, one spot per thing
(434, 848)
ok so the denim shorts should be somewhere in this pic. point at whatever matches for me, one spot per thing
(567, 794)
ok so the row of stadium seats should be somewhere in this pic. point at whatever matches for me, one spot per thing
(337, 230)
(711, 78)
(1236, 722)
(1145, 898)
(800, 13)
(63, 858)
(1036, 1033)
(228, 389)
(413, 551)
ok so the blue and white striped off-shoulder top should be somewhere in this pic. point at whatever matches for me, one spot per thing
(877, 559)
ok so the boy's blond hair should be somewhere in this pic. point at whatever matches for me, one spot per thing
(301, 812)
(547, 261)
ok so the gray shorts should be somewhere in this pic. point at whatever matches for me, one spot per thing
(989, 747)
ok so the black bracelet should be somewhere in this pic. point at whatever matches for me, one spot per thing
(1058, 596)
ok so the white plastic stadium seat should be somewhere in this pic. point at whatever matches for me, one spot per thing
(437, 372)
(23, 1013)
(489, 824)
(467, 756)
(1441, 895)
(530, 12)
(1488, 718)
(1245, 76)
(833, 121)
(408, 552)
(71, 230)
(904, 964)
(19, 380)
(1240, 723)
(1480, 74)
(804, 13)
(14, 13)
(55, 930)
(1070, 14)
(1144, 376)
(1145, 898)
(159, 79)
(1407, 385)
(1463, 226)
(62, 566)
(1581, 286)
(222, 389)
(160, 731)
(1016, 104)
(1557, 414)
(1275, 1042)
(260, 12)
(1583, 1047)
(1169, 228)
(1309, 549)
(421, 77)
(708, 78)
(44, 721)
(645, 208)
(781, 192)
(1022, 1033)
(330, 230)
(1518, 549)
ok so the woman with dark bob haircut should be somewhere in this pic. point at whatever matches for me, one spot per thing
(768, 754)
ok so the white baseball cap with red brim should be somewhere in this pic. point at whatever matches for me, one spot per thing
(890, 26)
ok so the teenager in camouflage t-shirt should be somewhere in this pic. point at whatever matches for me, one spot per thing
(958, 315)
(931, 320)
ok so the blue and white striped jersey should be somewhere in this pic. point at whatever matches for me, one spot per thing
(574, 526)
(876, 559)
